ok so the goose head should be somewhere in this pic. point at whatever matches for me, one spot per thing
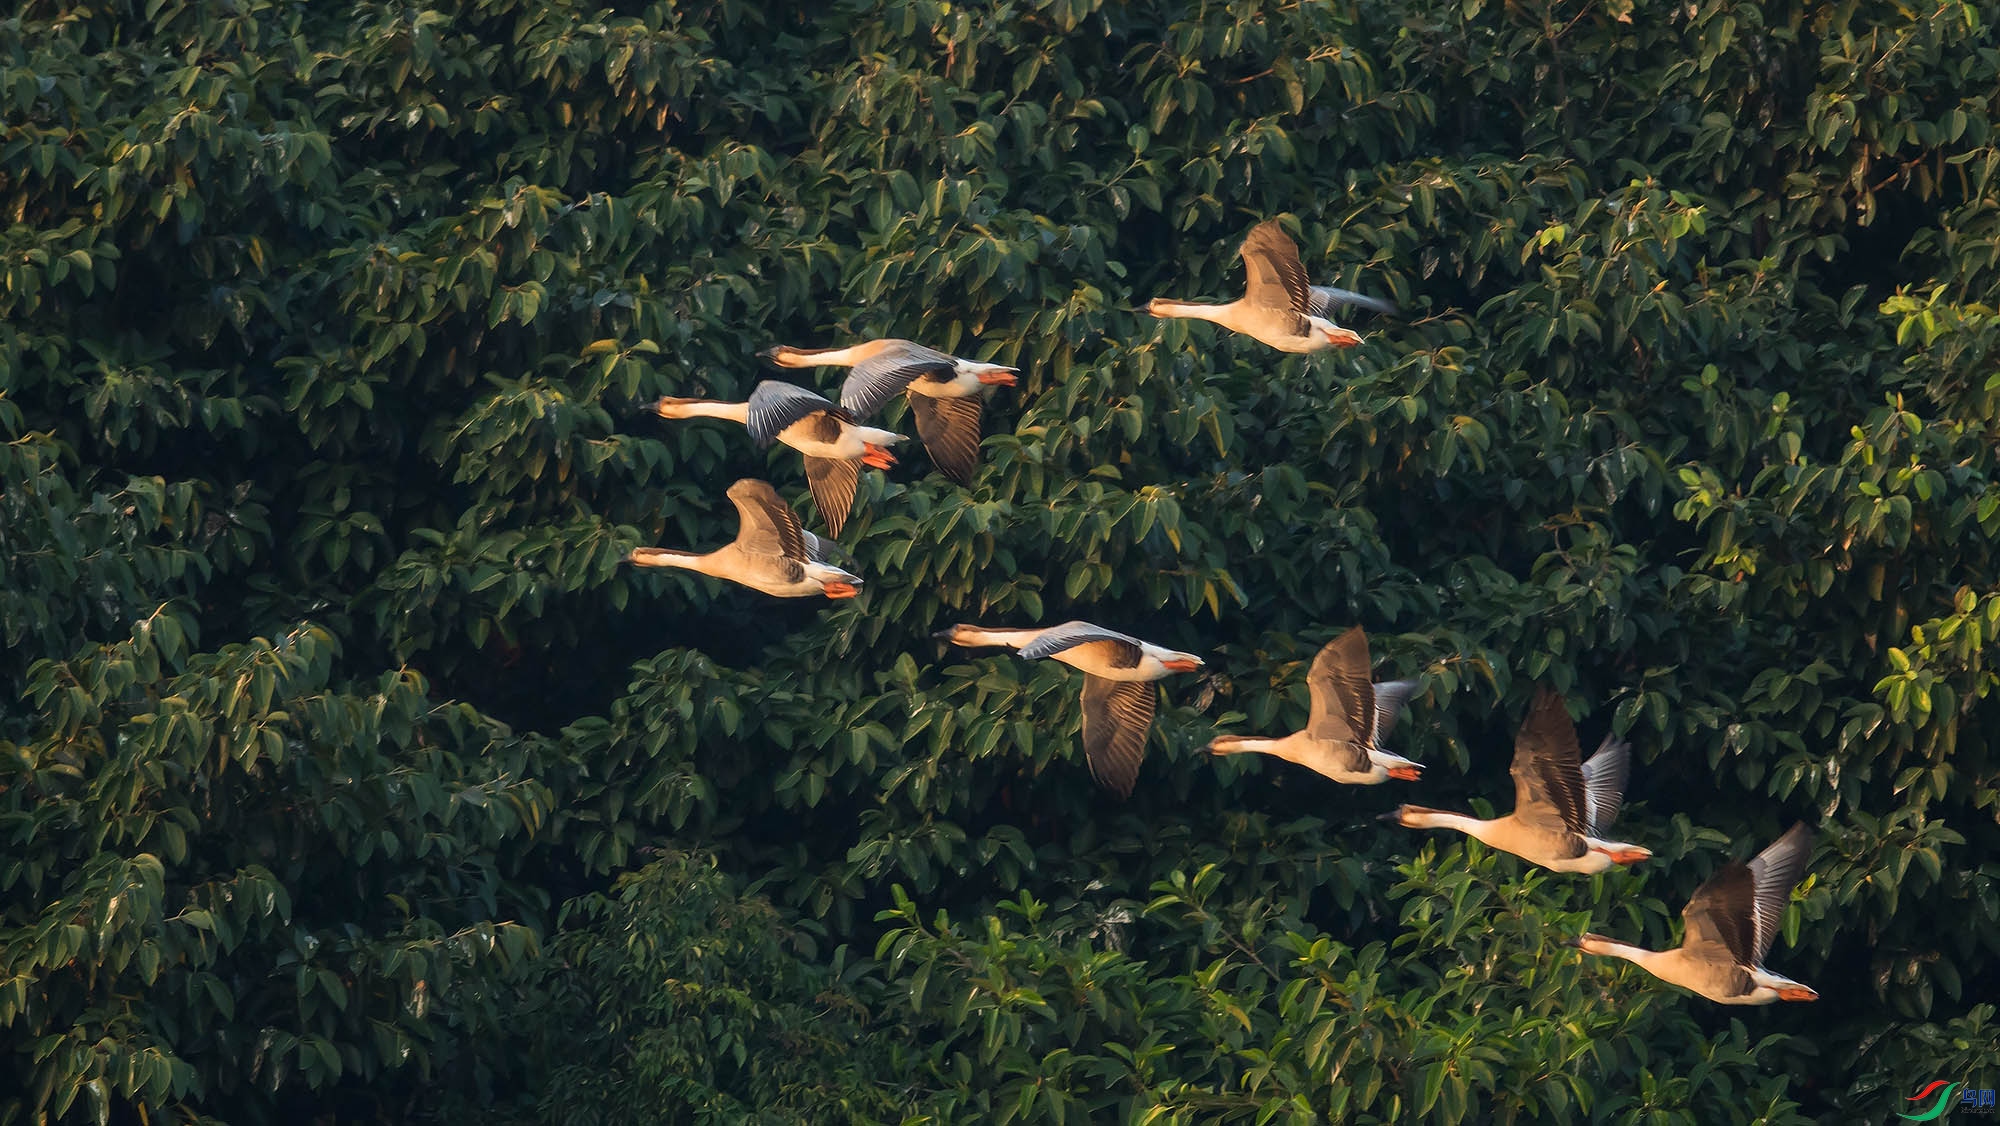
(783, 355)
(667, 406)
(1334, 335)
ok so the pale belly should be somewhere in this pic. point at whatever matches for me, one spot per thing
(961, 386)
(1095, 665)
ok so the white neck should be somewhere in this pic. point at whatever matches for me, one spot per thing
(1639, 955)
(1439, 819)
(836, 357)
(708, 408)
(1161, 307)
(975, 635)
(681, 560)
(1234, 744)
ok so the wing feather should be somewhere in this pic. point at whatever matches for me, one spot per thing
(1055, 639)
(1548, 783)
(1274, 278)
(950, 430)
(881, 377)
(767, 525)
(1117, 715)
(1774, 873)
(1325, 300)
(833, 481)
(775, 405)
(1604, 778)
(1718, 917)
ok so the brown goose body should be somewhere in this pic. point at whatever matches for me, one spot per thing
(1348, 719)
(771, 552)
(1279, 306)
(944, 392)
(1118, 692)
(1562, 808)
(834, 442)
(1730, 922)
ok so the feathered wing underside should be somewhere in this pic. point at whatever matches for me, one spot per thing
(1718, 916)
(1391, 696)
(817, 549)
(1117, 715)
(1325, 300)
(833, 481)
(1275, 279)
(1343, 702)
(1548, 783)
(1775, 871)
(767, 525)
(1604, 778)
(950, 430)
(881, 377)
(1055, 639)
(775, 405)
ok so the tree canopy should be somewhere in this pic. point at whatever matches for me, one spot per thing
(347, 774)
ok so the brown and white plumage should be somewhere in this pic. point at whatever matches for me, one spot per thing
(1118, 692)
(1562, 807)
(943, 390)
(1348, 719)
(1279, 305)
(1730, 923)
(771, 551)
(834, 442)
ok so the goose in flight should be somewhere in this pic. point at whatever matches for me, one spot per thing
(1118, 692)
(1348, 719)
(1562, 810)
(771, 552)
(944, 392)
(834, 442)
(1731, 921)
(1279, 306)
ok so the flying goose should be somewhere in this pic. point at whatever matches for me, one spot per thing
(834, 443)
(771, 552)
(1118, 693)
(1561, 809)
(1347, 722)
(1731, 921)
(1278, 306)
(944, 392)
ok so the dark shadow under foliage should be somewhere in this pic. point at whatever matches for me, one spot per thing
(338, 740)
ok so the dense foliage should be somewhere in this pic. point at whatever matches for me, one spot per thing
(337, 743)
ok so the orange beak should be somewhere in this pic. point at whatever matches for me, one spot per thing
(877, 457)
(1182, 664)
(1798, 993)
(998, 378)
(1627, 855)
(1406, 773)
(1344, 338)
(839, 589)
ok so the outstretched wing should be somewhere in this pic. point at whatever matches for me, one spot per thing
(1604, 783)
(1343, 702)
(1775, 871)
(1325, 300)
(1548, 783)
(1068, 635)
(1274, 277)
(833, 481)
(768, 526)
(775, 404)
(883, 376)
(950, 430)
(1117, 715)
(1718, 917)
